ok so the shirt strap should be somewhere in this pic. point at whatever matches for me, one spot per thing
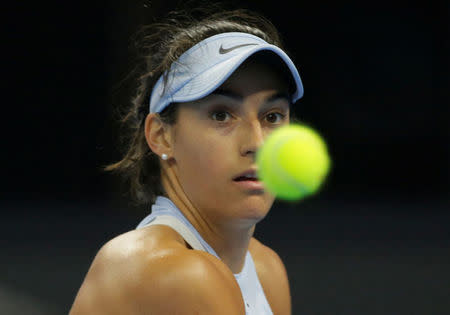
(178, 226)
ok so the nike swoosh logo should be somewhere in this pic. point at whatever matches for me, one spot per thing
(227, 50)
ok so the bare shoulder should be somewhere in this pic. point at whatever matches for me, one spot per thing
(273, 277)
(152, 268)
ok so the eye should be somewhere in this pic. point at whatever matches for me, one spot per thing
(220, 115)
(274, 118)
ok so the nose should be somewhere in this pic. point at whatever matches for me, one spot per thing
(252, 135)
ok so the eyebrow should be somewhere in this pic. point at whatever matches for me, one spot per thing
(238, 97)
(279, 95)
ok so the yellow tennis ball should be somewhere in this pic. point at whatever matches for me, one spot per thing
(293, 162)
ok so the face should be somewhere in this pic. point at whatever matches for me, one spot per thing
(216, 139)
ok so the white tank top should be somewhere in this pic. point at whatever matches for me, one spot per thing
(165, 212)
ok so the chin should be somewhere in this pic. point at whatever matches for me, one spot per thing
(256, 207)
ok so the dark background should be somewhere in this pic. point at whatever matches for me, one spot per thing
(374, 241)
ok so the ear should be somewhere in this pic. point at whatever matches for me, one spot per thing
(158, 135)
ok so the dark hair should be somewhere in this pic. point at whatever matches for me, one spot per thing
(158, 46)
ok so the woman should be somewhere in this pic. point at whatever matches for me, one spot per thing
(217, 87)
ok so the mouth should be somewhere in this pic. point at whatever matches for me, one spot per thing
(249, 180)
(245, 178)
(248, 175)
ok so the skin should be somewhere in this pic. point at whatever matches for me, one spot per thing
(214, 140)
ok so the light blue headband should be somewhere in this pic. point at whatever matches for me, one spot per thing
(205, 66)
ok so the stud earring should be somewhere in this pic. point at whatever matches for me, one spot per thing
(164, 156)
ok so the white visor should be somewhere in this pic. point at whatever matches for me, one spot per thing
(205, 66)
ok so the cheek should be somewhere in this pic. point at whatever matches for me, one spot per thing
(203, 159)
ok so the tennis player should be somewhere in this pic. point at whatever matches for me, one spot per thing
(211, 90)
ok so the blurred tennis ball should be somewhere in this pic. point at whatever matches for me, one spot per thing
(293, 162)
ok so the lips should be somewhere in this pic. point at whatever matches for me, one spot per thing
(248, 175)
(243, 178)
(248, 181)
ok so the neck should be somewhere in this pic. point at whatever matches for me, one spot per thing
(228, 239)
